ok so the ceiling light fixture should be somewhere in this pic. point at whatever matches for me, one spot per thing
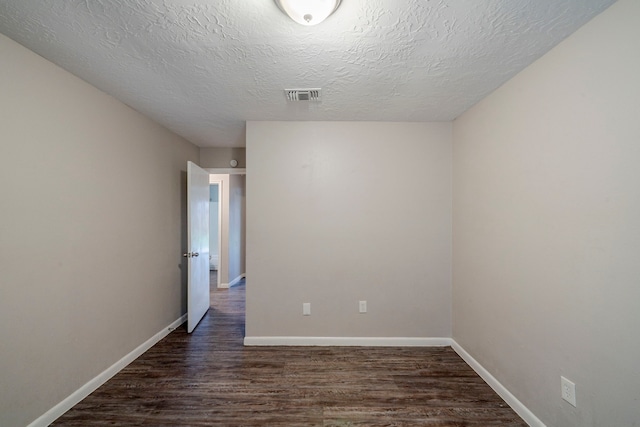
(308, 12)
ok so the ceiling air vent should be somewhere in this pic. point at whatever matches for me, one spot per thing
(303, 94)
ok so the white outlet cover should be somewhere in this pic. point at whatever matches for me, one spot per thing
(568, 390)
(363, 306)
(306, 308)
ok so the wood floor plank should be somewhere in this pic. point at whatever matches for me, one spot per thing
(209, 378)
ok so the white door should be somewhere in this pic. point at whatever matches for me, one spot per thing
(197, 244)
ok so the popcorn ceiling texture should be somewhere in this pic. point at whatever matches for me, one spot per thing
(202, 68)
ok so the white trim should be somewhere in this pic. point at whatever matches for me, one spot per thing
(220, 184)
(232, 283)
(502, 391)
(54, 413)
(236, 280)
(226, 171)
(348, 341)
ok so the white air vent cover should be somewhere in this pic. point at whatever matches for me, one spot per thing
(303, 94)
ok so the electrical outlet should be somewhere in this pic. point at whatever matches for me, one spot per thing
(306, 309)
(568, 390)
(363, 306)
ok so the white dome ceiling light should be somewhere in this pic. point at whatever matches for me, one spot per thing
(308, 12)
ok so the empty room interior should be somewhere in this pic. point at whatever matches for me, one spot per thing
(454, 177)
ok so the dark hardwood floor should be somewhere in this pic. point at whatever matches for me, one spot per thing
(209, 379)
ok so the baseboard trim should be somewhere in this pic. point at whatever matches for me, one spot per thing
(58, 410)
(502, 391)
(348, 341)
(232, 283)
(236, 280)
(54, 413)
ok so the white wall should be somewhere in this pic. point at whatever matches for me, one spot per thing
(547, 227)
(339, 212)
(214, 219)
(92, 267)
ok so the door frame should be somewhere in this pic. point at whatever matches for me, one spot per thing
(218, 182)
(222, 258)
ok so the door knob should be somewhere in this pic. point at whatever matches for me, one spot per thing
(190, 254)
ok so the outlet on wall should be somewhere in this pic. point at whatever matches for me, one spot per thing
(306, 308)
(568, 390)
(362, 306)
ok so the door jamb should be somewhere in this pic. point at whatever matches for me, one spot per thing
(222, 171)
(220, 199)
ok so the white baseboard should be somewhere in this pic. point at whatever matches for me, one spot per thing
(231, 283)
(54, 413)
(502, 391)
(348, 341)
(236, 280)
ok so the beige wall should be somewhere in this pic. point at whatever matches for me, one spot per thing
(547, 227)
(339, 212)
(91, 231)
(546, 235)
(220, 157)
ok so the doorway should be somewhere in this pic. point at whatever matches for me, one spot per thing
(227, 234)
(214, 231)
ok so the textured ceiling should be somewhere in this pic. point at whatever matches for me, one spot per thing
(204, 67)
